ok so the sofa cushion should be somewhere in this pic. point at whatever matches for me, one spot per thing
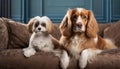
(3, 35)
(13, 34)
(113, 33)
(102, 27)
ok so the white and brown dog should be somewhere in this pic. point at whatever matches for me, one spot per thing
(79, 35)
(40, 27)
(41, 39)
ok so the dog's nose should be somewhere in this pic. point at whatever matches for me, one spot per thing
(79, 25)
(39, 28)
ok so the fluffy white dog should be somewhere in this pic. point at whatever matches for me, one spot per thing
(41, 27)
(40, 38)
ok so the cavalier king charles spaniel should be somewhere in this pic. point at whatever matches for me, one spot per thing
(41, 39)
(79, 35)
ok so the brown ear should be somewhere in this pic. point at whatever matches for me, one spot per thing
(92, 26)
(65, 26)
(30, 25)
(49, 24)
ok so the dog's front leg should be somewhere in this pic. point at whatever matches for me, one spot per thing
(87, 55)
(29, 51)
(64, 60)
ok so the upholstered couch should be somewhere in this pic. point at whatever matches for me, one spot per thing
(14, 36)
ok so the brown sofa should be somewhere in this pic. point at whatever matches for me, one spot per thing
(14, 36)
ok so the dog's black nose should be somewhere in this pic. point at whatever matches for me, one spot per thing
(79, 25)
(39, 28)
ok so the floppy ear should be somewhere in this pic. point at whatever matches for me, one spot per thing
(65, 26)
(92, 26)
(30, 25)
(49, 24)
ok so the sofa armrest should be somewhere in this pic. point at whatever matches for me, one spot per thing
(14, 59)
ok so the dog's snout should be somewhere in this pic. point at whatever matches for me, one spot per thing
(79, 24)
(39, 28)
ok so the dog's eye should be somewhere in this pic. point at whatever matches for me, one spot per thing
(36, 24)
(84, 17)
(43, 24)
(74, 16)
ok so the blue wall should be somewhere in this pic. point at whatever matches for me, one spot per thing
(104, 10)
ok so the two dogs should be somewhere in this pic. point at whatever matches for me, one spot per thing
(79, 37)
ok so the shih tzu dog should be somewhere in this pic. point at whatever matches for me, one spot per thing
(41, 39)
(40, 27)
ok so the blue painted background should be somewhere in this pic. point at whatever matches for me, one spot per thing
(104, 10)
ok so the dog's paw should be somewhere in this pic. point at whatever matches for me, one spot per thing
(28, 52)
(64, 60)
(84, 59)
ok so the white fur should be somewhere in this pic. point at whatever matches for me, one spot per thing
(109, 41)
(79, 20)
(64, 60)
(44, 19)
(74, 49)
(80, 9)
(41, 42)
(37, 17)
(87, 55)
(29, 52)
(96, 39)
(83, 28)
(110, 44)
